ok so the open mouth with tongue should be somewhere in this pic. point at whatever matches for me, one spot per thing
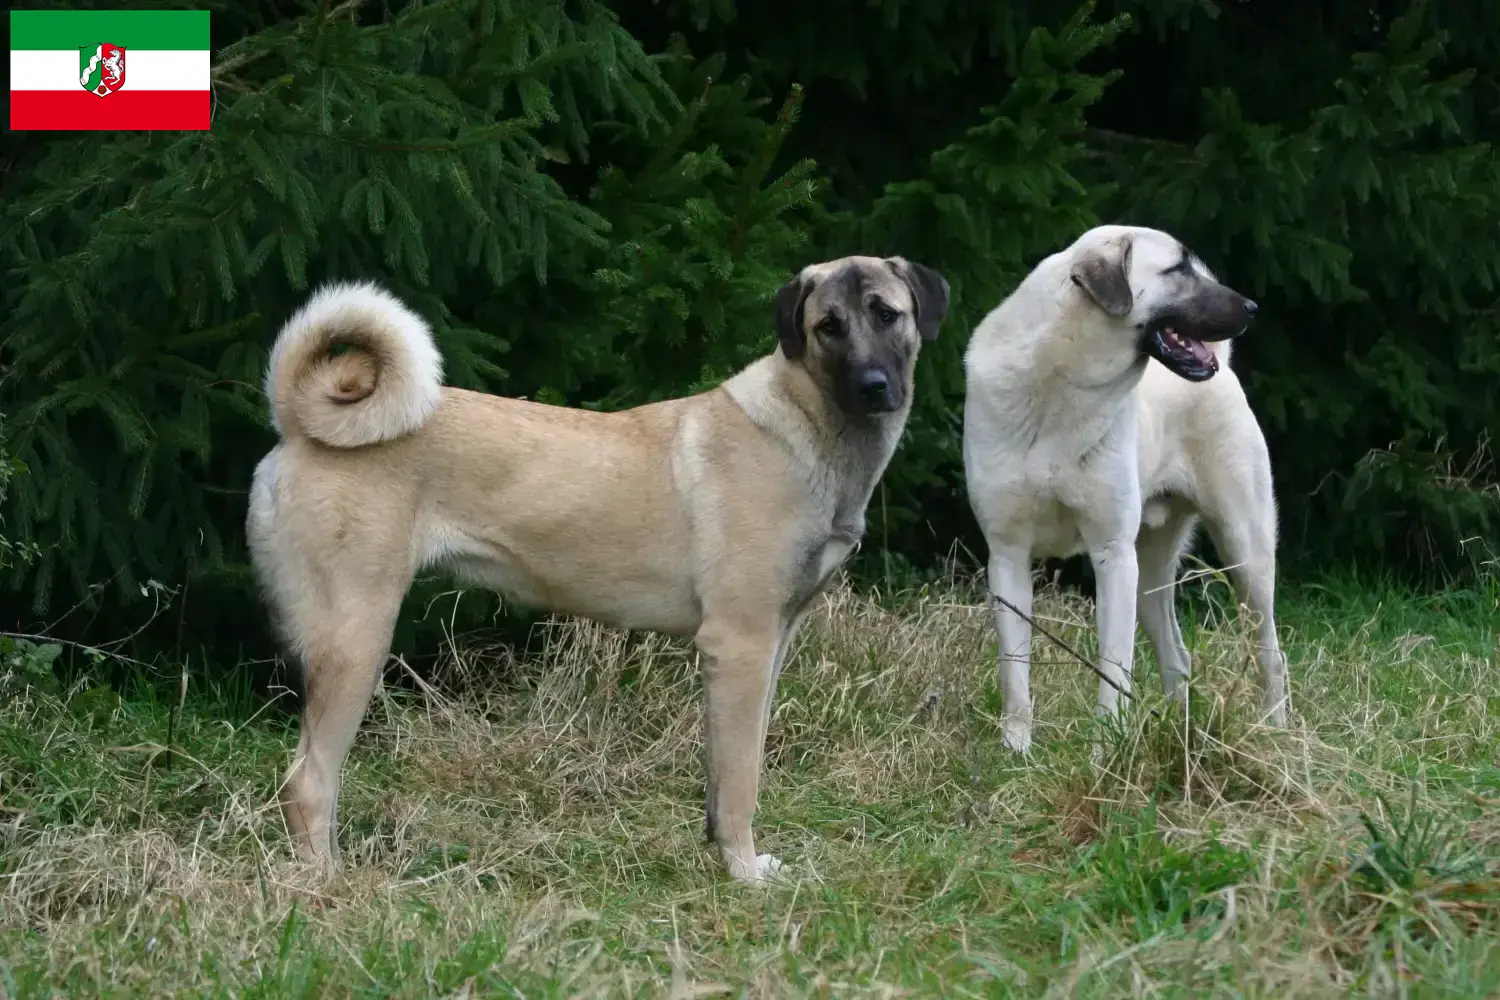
(1186, 356)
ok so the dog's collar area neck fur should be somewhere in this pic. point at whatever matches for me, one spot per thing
(813, 417)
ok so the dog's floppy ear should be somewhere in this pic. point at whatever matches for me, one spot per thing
(787, 308)
(929, 290)
(1105, 275)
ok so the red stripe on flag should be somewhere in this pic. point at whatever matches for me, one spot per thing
(127, 110)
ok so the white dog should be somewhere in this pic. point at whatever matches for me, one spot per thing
(1102, 417)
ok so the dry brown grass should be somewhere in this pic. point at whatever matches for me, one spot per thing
(536, 827)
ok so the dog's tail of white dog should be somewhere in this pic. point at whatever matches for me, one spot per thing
(353, 367)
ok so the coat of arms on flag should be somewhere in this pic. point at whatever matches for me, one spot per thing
(101, 68)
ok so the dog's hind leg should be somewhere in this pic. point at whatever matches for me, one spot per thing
(1158, 551)
(1241, 521)
(344, 647)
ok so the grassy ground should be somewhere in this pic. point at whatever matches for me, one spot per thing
(537, 830)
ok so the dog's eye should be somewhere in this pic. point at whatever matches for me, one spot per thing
(829, 326)
(887, 315)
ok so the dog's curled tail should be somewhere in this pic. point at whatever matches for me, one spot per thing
(352, 367)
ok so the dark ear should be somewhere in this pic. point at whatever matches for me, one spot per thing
(787, 308)
(929, 289)
(1105, 276)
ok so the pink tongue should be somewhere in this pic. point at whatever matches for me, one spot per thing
(1200, 351)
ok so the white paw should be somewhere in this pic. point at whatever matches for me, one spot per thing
(1016, 735)
(767, 867)
(1275, 715)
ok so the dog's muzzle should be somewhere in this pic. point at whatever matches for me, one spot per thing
(875, 391)
(1180, 340)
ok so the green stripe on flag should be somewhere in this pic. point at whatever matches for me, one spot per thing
(129, 29)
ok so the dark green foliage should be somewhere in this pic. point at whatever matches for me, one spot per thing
(24, 663)
(14, 553)
(593, 204)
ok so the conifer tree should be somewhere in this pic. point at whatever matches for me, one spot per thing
(13, 552)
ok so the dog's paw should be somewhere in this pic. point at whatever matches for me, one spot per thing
(1016, 735)
(768, 867)
(1096, 753)
(1275, 715)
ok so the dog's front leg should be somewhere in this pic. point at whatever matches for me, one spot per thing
(737, 663)
(1010, 578)
(1116, 575)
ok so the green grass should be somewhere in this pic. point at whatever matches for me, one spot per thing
(536, 828)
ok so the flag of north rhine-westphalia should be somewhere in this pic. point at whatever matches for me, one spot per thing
(109, 69)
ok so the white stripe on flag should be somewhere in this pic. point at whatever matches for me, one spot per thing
(145, 69)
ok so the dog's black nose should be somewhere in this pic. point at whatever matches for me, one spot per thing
(1250, 307)
(874, 386)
